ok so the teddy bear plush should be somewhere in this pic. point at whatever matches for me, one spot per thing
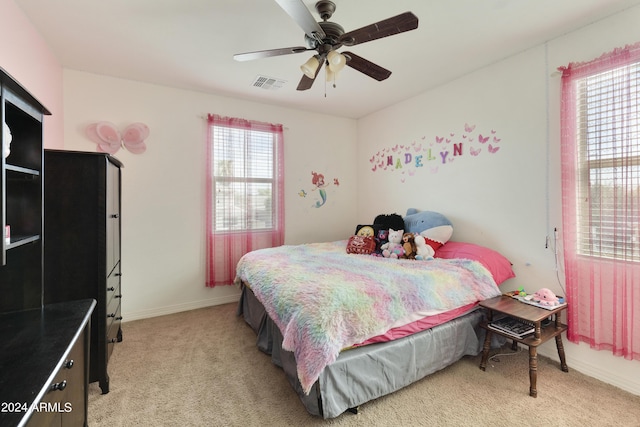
(409, 246)
(423, 251)
(393, 248)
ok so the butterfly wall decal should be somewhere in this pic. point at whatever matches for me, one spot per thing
(109, 139)
(434, 153)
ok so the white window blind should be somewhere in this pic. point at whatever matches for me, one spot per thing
(244, 179)
(609, 164)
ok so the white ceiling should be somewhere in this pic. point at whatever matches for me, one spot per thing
(189, 44)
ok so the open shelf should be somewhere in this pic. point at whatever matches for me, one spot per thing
(22, 170)
(22, 240)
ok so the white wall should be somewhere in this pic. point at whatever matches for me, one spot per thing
(163, 228)
(509, 200)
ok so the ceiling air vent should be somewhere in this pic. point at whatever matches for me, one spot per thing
(268, 83)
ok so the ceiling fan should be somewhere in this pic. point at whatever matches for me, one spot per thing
(327, 37)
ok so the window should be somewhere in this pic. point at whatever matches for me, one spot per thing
(608, 114)
(244, 192)
(600, 150)
(243, 179)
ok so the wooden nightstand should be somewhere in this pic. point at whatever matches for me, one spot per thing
(531, 314)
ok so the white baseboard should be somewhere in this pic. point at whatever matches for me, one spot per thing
(162, 311)
(625, 383)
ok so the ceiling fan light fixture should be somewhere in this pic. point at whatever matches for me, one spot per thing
(336, 60)
(310, 67)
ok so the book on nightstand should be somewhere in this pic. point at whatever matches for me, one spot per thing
(512, 326)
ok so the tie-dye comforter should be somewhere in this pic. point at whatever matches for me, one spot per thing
(324, 300)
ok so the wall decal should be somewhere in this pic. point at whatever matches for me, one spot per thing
(319, 185)
(109, 139)
(441, 150)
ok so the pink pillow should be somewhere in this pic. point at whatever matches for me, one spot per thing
(498, 265)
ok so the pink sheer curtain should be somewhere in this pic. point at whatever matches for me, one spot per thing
(264, 144)
(600, 189)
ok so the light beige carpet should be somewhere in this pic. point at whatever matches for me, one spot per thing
(202, 368)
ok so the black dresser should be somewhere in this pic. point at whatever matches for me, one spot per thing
(44, 362)
(82, 251)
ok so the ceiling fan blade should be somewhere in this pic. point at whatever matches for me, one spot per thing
(307, 82)
(366, 67)
(398, 24)
(299, 12)
(248, 56)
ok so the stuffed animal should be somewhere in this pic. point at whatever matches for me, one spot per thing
(433, 226)
(393, 248)
(394, 221)
(545, 297)
(409, 246)
(423, 251)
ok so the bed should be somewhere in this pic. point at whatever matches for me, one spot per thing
(347, 329)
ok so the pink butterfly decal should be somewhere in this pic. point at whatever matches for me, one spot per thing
(475, 152)
(423, 137)
(493, 131)
(336, 182)
(394, 149)
(464, 136)
(493, 149)
(373, 169)
(105, 135)
(371, 160)
(469, 128)
(402, 180)
(133, 137)
(496, 139)
(109, 139)
(439, 139)
(448, 140)
(412, 172)
(481, 139)
(418, 148)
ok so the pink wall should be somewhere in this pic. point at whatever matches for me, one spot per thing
(25, 55)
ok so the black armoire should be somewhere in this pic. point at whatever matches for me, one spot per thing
(82, 250)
